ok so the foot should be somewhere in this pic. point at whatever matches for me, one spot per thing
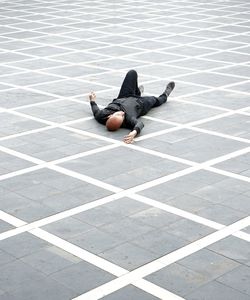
(141, 88)
(169, 88)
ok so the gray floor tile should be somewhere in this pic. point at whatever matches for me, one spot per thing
(209, 264)
(189, 202)
(59, 111)
(50, 260)
(54, 144)
(19, 97)
(126, 206)
(67, 227)
(217, 291)
(155, 217)
(16, 274)
(159, 241)
(12, 124)
(188, 184)
(222, 214)
(127, 228)
(237, 279)
(5, 226)
(178, 279)
(239, 203)
(22, 245)
(132, 160)
(199, 147)
(233, 248)
(233, 125)
(95, 240)
(98, 216)
(227, 56)
(71, 277)
(189, 112)
(44, 288)
(53, 53)
(129, 292)
(68, 87)
(28, 78)
(129, 256)
(188, 230)
(223, 99)
(5, 258)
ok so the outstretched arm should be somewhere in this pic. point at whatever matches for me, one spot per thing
(94, 106)
(137, 126)
(92, 97)
(128, 139)
(101, 115)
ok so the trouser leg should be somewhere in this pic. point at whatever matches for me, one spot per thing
(149, 102)
(160, 100)
(129, 86)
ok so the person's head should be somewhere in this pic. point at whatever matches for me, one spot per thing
(115, 120)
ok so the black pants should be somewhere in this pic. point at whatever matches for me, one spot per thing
(130, 88)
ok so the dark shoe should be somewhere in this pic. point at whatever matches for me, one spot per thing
(169, 88)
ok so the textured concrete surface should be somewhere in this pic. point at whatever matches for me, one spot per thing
(85, 216)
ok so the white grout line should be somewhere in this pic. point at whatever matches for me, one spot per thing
(223, 135)
(88, 257)
(85, 178)
(210, 132)
(21, 155)
(44, 128)
(61, 215)
(164, 261)
(162, 155)
(83, 154)
(16, 135)
(181, 126)
(228, 174)
(119, 194)
(11, 219)
(177, 211)
(79, 252)
(242, 235)
(141, 283)
(225, 157)
(21, 172)
(155, 290)
(29, 158)
(187, 215)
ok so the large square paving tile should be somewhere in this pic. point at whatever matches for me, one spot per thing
(107, 208)
(123, 167)
(53, 144)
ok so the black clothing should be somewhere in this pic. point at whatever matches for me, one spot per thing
(130, 101)
(130, 106)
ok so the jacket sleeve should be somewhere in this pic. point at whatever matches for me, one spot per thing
(135, 124)
(100, 115)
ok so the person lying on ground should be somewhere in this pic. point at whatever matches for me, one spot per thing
(125, 110)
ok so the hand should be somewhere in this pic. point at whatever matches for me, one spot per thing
(92, 97)
(128, 139)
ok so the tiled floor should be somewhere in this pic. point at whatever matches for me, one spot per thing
(85, 216)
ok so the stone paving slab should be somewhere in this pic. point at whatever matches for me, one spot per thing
(84, 216)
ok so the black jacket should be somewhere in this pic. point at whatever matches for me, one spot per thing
(131, 106)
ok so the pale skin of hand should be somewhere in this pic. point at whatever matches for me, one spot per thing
(92, 97)
(128, 139)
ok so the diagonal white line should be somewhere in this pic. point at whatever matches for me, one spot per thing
(89, 257)
(164, 261)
